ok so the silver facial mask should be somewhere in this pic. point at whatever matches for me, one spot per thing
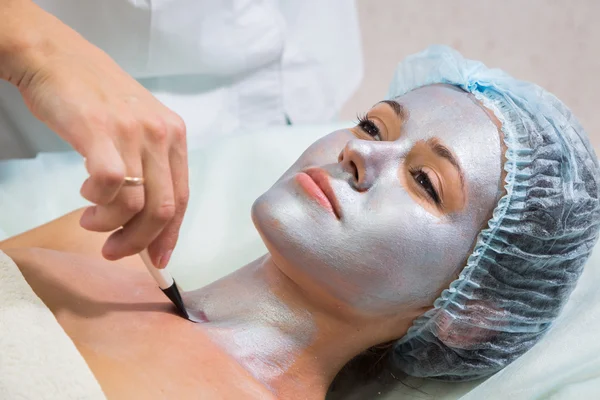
(386, 250)
(242, 315)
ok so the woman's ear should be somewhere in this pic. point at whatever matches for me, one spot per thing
(478, 323)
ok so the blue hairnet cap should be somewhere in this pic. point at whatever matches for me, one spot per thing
(527, 260)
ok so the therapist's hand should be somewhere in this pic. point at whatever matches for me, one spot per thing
(121, 130)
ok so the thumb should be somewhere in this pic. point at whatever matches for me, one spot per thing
(106, 169)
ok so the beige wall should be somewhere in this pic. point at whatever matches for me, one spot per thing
(555, 44)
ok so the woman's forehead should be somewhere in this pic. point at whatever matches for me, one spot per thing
(435, 102)
(448, 114)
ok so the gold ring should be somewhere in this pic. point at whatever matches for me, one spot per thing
(133, 181)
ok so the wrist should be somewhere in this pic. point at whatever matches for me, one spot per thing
(13, 56)
(21, 42)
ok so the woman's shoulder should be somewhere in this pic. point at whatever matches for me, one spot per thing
(129, 333)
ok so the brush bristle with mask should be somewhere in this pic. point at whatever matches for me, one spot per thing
(167, 284)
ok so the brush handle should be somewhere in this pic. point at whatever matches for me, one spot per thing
(161, 276)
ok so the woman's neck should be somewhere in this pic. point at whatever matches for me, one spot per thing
(267, 323)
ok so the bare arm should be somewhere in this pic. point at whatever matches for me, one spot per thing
(64, 234)
(122, 130)
(12, 41)
(21, 39)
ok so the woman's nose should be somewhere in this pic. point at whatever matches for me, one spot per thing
(366, 160)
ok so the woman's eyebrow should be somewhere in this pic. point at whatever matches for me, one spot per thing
(398, 108)
(442, 151)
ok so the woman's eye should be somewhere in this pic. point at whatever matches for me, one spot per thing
(422, 179)
(369, 127)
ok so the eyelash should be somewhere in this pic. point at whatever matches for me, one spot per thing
(418, 174)
(422, 179)
(368, 126)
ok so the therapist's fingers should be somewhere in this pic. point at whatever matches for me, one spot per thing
(127, 205)
(106, 169)
(158, 210)
(90, 102)
(162, 247)
(129, 201)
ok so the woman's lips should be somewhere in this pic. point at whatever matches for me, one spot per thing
(315, 182)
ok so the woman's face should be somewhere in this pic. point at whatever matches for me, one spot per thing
(384, 215)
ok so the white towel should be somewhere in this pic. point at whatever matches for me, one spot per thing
(37, 358)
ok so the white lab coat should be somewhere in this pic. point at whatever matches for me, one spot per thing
(220, 64)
